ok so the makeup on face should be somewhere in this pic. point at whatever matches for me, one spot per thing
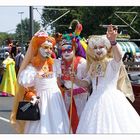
(44, 53)
(46, 49)
(67, 52)
(100, 51)
(67, 48)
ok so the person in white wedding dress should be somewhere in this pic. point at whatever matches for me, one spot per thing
(107, 109)
(38, 76)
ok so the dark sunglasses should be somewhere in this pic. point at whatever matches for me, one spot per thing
(67, 50)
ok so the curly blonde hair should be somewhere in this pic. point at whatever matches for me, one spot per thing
(95, 40)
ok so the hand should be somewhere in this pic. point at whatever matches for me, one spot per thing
(75, 80)
(35, 100)
(111, 33)
(72, 77)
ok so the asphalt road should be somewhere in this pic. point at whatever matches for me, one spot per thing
(6, 104)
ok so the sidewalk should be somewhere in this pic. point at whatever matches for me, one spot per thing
(6, 105)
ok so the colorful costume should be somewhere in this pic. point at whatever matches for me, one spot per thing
(107, 109)
(73, 61)
(8, 84)
(54, 117)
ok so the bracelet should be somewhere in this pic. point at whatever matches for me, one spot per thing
(113, 43)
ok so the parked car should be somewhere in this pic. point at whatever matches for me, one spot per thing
(135, 81)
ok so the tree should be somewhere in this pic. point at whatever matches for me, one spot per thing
(22, 30)
(91, 18)
(128, 18)
(5, 37)
(50, 14)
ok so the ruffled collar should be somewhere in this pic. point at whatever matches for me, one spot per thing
(98, 67)
(38, 63)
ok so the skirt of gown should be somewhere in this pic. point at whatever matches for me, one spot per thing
(54, 117)
(109, 112)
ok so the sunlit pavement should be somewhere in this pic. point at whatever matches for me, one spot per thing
(6, 104)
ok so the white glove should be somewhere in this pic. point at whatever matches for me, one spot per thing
(35, 100)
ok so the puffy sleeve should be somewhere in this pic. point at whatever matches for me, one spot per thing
(57, 67)
(27, 76)
(88, 77)
(115, 65)
(81, 69)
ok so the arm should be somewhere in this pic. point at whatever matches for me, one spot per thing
(81, 69)
(29, 93)
(111, 35)
(81, 83)
(85, 82)
(26, 79)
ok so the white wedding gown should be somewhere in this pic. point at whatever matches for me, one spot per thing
(108, 110)
(54, 117)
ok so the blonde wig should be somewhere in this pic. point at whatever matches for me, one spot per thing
(123, 83)
(97, 40)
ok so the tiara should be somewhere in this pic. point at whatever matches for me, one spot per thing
(47, 43)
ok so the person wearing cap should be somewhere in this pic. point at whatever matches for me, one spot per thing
(37, 77)
(8, 83)
(107, 110)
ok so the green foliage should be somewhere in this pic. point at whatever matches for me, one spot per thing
(22, 30)
(4, 37)
(91, 18)
(22, 33)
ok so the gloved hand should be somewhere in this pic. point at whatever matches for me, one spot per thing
(35, 100)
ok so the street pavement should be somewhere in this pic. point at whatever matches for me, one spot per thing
(6, 104)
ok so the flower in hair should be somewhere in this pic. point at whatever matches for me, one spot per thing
(41, 34)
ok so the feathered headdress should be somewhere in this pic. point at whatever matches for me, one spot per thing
(81, 44)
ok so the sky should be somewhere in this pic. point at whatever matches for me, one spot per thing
(10, 16)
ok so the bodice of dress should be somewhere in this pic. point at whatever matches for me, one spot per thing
(28, 78)
(108, 81)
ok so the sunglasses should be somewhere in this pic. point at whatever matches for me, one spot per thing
(67, 49)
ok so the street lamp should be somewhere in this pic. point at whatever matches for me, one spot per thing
(31, 22)
(21, 31)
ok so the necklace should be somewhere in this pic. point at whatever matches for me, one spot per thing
(44, 71)
(98, 69)
(66, 69)
(45, 68)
